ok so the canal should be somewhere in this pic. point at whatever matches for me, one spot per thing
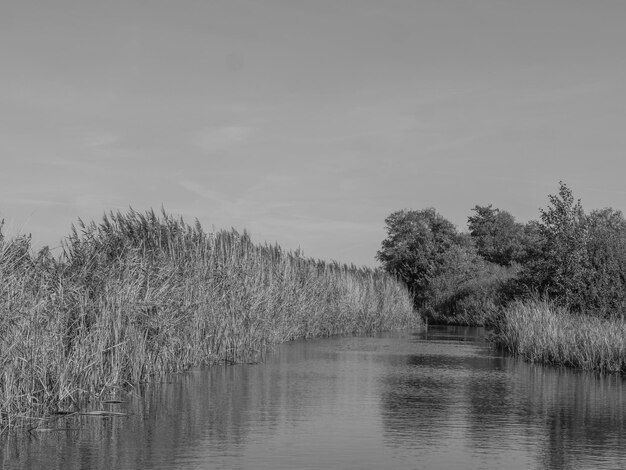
(436, 399)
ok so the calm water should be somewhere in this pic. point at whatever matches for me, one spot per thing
(435, 400)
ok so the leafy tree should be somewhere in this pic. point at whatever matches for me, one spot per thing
(578, 260)
(557, 264)
(499, 239)
(606, 253)
(565, 232)
(534, 241)
(415, 247)
(450, 281)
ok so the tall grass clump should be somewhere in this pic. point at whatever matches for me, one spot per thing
(141, 294)
(544, 332)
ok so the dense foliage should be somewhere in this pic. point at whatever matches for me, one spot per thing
(449, 279)
(498, 238)
(577, 260)
(416, 248)
(580, 259)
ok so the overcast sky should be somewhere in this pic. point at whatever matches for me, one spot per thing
(307, 122)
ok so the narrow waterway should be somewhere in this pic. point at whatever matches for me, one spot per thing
(436, 399)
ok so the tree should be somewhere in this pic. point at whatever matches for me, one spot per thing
(498, 238)
(557, 265)
(606, 252)
(415, 247)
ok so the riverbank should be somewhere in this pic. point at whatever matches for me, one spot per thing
(542, 332)
(139, 295)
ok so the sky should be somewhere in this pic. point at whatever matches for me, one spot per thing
(307, 122)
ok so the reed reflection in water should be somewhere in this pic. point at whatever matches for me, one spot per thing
(440, 399)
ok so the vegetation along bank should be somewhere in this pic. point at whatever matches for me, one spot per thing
(541, 331)
(138, 295)
(553, 290)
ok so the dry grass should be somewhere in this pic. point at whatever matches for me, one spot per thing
(139, 295)
(540, 331)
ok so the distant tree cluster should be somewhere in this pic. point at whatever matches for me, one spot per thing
(576, 259)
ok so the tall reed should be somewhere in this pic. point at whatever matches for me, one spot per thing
(138, 295)
(540, 331)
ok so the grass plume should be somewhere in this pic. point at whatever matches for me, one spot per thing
(141, 294)
(541, 331)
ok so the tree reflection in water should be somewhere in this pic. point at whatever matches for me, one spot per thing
(490, 403)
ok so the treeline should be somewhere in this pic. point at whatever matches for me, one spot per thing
(575, 259)
(139, 294)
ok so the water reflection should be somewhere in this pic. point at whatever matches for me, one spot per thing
(493, 404)
(432, 399)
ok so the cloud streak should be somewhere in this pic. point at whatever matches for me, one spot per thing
(222, 138)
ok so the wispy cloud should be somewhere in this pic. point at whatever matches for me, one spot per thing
(255, 199)
(271, 216)
(206, 193)
(221, 138)
(320, 225)
(93, 139)
(35, 202)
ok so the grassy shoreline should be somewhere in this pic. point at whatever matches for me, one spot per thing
(139, 295)
(539, 331)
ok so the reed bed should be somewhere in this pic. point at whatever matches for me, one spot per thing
(140, 294)
(540, 331)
